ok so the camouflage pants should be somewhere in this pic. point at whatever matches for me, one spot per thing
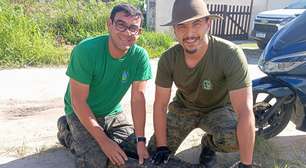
(219, 125)
(87, 151)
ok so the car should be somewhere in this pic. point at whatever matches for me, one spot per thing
(267, 23)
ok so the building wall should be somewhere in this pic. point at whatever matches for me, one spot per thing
(277, 4)
(163, 14)
(151, 14)
(163, 9)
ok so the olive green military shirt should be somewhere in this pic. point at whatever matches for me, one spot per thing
(206, 86)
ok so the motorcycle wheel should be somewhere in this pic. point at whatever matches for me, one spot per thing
(277, 121)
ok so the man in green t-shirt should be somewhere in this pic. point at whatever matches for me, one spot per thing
(101, 70)
(213, 91)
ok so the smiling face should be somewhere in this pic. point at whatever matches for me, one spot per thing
(192, 35)
(124, 31)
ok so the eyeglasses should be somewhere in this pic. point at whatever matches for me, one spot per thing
(122, 27)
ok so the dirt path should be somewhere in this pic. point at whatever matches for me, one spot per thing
(31, 100)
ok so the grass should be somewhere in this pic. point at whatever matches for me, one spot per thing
(155, 43)
(25, 150)
(16, 151)
(22, 43)
(268, 155)
(265, 153)
(22, 150)
(74, 21)
(35, 34)
(248, 45)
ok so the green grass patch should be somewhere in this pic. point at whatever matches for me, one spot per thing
(73, 20)
(34, 34)
(155, 43)
(22, 43)
(248, 45)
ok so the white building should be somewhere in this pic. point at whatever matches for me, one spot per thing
(159, 11)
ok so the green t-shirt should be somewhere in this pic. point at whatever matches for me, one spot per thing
(206, 86)
(108, 78)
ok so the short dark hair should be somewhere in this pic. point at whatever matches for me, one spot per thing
(128, 9)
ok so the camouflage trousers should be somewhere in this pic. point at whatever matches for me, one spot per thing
(219, 125)
(86, 149)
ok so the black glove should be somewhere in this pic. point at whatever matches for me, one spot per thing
(241, 165)
(161, 155)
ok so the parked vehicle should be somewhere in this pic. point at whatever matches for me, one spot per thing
(267, 23)
(281, 95)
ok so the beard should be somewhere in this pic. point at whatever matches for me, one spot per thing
(190, 51)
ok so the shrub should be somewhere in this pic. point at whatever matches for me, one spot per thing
(22, 42)
(74, 20)
(33, 33)
(155, 43)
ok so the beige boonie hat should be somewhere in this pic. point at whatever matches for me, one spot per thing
(188, 10)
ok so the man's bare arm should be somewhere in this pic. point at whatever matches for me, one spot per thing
(242, 102)
(79, 94)
(139, 116)
(162, 97)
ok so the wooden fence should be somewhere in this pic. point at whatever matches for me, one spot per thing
(235, 24)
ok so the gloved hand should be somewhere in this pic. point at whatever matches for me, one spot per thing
(161, 155)
(241, 165)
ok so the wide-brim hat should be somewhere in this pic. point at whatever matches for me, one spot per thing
(188, 10)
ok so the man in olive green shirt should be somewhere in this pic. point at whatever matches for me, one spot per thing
(213, 91)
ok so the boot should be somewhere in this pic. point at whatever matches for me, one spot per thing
(64, 134)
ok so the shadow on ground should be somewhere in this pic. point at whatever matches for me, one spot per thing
(61, 158)
(51, 158)
(278, 152)
(291, 148)
(224, 160)
(282, 151)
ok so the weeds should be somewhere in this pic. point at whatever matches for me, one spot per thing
(25, 150)
(268, 155)
(22, 42)
(155, 43)
(34, 33)
(22, 150)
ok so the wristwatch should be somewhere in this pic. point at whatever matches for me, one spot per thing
(141, 139)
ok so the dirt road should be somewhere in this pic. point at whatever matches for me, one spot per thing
(31, 100)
